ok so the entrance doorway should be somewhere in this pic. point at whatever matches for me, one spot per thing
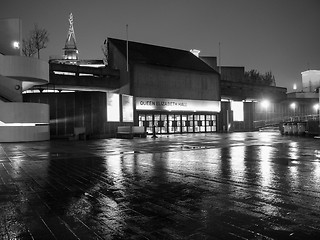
(178, 123)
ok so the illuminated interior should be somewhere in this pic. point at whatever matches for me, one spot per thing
(20, 124)
(127, 108)
(113, 107)
(237, 108)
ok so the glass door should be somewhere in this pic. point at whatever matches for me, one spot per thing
(160, 121)
(142, 119)
(202, 124)
(157, 123)
(211, 123)
(149, 123)
(174, 123)
(185, 123)
(190, 127)
(164, 120)
(196, 123)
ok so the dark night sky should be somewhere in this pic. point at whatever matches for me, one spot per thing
(278, 35)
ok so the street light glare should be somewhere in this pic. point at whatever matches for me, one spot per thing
(16, 44)
(293, 105)
(265, 103)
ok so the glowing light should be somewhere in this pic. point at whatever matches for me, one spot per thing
(316, 107)
(265, 103)
(20, 124)
(293, 105)
(237, 108)
(195, 52)
(64, 73)
(113, 107)
(127, 108)
(16, 45)
(160, 104)
(294, 86)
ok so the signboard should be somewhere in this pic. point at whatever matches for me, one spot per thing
(166, 104)
(127, 108)
(113, 107)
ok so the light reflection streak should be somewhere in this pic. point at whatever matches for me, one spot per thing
(266, 171)
(316, 168)
(293, 169)
(293, 150)
(237, 155)
(113, 166)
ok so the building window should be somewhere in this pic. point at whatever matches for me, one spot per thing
(127, 108)
(113, 107)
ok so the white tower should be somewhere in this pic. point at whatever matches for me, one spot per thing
(70, 48)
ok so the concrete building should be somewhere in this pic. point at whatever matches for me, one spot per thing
(170, 89)
(137, 84)
(20, 121)
(173, 89)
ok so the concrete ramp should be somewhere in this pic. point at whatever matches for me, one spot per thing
(10, 90)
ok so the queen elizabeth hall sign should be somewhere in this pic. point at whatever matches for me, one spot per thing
(185, 105)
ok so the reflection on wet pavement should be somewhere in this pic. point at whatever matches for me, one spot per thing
(201, 186)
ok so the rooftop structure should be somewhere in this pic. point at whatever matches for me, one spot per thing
(70, 49)
(310, 80)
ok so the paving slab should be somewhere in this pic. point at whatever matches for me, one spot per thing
(255, 185)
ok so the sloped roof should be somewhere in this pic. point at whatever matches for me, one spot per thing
(161, 56)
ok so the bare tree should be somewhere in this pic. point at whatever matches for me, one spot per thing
(36, 41)
(28, 48)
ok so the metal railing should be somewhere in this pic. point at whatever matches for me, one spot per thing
(275, 121)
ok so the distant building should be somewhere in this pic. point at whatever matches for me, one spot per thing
(310, 80)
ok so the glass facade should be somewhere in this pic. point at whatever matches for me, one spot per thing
(178, 123)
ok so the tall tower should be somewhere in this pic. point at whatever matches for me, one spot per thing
(70, 48)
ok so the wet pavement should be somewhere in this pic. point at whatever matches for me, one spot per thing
(257, 185)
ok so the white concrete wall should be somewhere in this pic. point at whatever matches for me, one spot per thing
(24, 133)
(25, 67)
(15, 114)
(10, 89)
(18, 73)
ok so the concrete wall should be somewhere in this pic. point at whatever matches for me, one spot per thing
(10, 89)
(24, 133)
(119, 62)
(77, 109)
(233, 74)
(161, 82)
(20, 122)
(24, 69)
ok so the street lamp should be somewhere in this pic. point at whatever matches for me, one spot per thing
(16, 45)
